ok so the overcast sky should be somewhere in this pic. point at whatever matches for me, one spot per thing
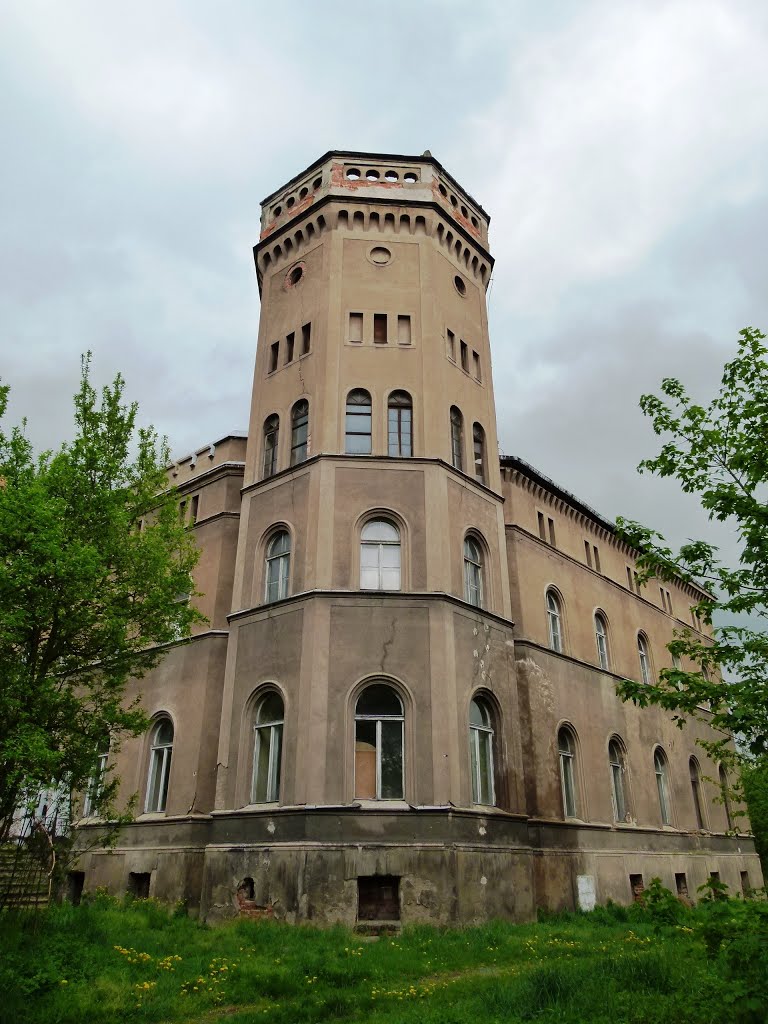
(620, 149)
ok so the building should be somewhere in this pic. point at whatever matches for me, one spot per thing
(403, 706)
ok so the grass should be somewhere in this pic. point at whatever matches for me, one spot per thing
(105, 962)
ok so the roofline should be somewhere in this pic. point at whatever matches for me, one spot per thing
(376, 157)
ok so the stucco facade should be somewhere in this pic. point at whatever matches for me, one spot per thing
(403, 705)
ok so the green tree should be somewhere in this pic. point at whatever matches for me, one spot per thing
(94, 565)
(720, 453)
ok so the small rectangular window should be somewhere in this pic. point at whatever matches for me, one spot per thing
(356, 327)
(597, 558)
(476, 365)
(681, 884)
(451, 345)
(404, 330)
(588, 553)
(378, 898)
(306, 338)
(193, 508)
(380, 328)
(630, 582)
(637, 886)
(464, 355)
(637, 582)
(138, 884)
(551, 523)
(274, 356)
(542, 528)
(290, 341)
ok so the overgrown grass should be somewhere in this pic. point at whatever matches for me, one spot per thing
(105, 961)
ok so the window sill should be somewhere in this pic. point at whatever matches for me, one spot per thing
(383, 804)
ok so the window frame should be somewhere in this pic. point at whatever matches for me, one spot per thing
(400, 403)
(725, 794)
(477, 585)
(95, 784)
(160, 760)
(567, 764)
(300, 448)
(275, 728)
(283, 579)
(358, 404)
(379, 719)
(661, 770)
(479, 460)
(457, 438)
(619, 773)
(644, 657)
(694, 773)
(482, 747)
(270, 440)
(556, 635)
(603, 650)
(388, 520)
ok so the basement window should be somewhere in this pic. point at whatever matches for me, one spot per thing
(681, 884)
(637, 886)
(138, 884)
(75, 886)
(378, 898)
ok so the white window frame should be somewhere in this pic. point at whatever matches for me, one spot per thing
(282, 561)
(379, 546)
(379, 719)
(94, 786)
(481, 736)
(601, 639)
(159, 768)
(644, 655)
(272, 733)
(661, 770)
(555, 621)
(473, 571)
(618, 766)
(567, 759)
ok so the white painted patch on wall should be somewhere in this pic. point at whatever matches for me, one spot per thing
(483, 880)
(586, 892)
(481, 830)
(271, 827)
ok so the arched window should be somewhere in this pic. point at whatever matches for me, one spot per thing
(473, 572)
(159, 765)
(698, 806)
(457, 438)
(481, 752)
(478, 448)
(299, 432)
(662, 784)
(271, 434)
(566, 749)
(555, 621)
(380, 556)
(379, 723)
(278, 567)
(357, 423)
(400, 424)
(645, 658)
(95, 784)
(267, 748)
(725, 793)
(601, 639)
(618, 764)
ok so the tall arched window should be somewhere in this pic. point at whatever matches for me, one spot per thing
(725, 793)
(277, 567)
(457, 438)
(481, 752)
(645, 658)
(267, 748)
(299, 432)
(601, 639)
(473, 572)
(698, 805)
(400, 424)
(555, 621)
(271, 435)
(380, 556)
(379, 721)
(478, 449)
(566, 749)
(357, 423)
(93, 790)
(662, 784)
(618, 764)
(159, 765)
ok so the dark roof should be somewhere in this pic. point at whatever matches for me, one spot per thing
(515, 462)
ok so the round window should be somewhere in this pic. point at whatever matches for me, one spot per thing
(353, 174)
(317, 183)
(380, 255)
(289, 203)
(410, 177)
(443, 190)
(460, 284)
(278, 210)
(372, 175)
(392, 176)
(294, 275)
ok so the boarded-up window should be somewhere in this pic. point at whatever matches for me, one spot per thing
(404, 330)
(380, 328)
(356, 327)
